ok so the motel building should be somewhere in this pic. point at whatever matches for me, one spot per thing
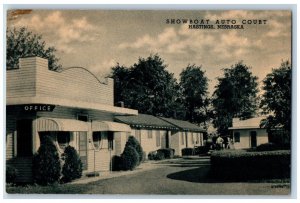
(248, 133)
(73, 107)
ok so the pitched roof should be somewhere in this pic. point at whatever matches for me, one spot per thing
(246, 124)
(146, 121)
(184, 125)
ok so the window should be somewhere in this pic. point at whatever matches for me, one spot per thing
(198, 138)
(157, 138)
(110, 138)
(63, 139)
(182, 137)
(97, 139)
(192, 138)
(149, 134)
(237, 137)
(82, 117)
(138, 135)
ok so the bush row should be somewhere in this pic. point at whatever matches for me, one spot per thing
(48, 168)
(195, 151)
(240, 164)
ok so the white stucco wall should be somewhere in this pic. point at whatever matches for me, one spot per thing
(245, 140)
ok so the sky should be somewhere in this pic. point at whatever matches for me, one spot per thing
(99, 39)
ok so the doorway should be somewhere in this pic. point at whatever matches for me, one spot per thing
(24, 138)
(253, 139)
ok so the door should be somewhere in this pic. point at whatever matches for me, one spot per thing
(83, 149)
(24, 138)
(253, 139)
(167, 140)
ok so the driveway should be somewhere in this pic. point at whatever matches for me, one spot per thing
(181, 177)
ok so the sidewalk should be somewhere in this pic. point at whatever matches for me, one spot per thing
(148, 165)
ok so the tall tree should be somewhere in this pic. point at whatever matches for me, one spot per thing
(24, 43)
(235, 96)
(146, 86)
(276, 99)
(194, 86)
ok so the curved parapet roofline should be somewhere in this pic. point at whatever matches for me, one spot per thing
(68, 68)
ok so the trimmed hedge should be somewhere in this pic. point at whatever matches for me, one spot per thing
(46, 164)
(188, 151)
(152, 155)
(72, 168)
(168, 152)
(160, 154)
(133, 142)
(243, 165)
(130, 158)
(201, 150)
(271, 147)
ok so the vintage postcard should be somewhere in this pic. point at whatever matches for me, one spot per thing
(148, 102)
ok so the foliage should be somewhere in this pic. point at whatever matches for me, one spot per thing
(168, 152)
(152, 155)
(22, 43)
(146, 86)
(235, 96)
(130, 158)
(46, 163)
(132, 141)
(187, 151)
(194, 86)
(72, 168)
(266, 147)
(276, 99)
(202, 150)
(159, 156)
(243, 165)
(11, 174)
(116, 163)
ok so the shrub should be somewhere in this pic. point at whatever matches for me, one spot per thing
(266, 147)
(243, 165)
(132, 141)
(152, 155)
(201, 150)
(116, 163)
(11, 174)
(188, 151)
(159, 156)
(130, 158)
(46, 163)
(72, 168)
(271, 147)
(168, 152)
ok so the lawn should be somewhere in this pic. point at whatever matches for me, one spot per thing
(175, 177)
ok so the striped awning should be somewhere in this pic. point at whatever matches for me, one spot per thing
(110, 126)
(58, 124)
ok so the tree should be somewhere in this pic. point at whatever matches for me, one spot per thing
(146, 86)
(235, 96)
(24, 43)
(276, 99)
(194, 85)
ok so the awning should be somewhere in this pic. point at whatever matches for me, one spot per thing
(58, 124)
(110, 126)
